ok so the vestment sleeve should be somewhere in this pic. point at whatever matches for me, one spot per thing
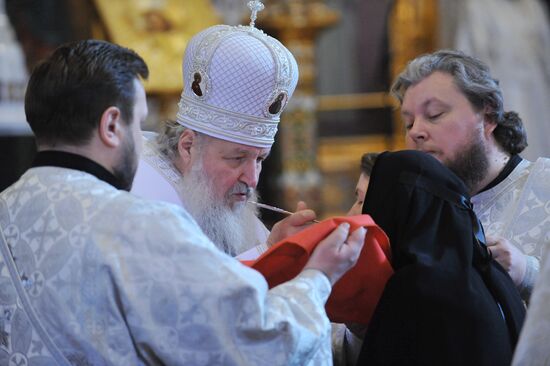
(532, 348)
(345, 345)
(186, 302)
(531, 272)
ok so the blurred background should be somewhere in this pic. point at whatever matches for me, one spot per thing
(348, 51)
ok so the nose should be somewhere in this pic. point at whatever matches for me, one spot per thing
(417, 132)
(250, 174)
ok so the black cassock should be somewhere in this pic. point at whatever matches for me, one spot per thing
(448, 302)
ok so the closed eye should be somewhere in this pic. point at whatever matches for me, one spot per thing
(236, 158)
(435, 116)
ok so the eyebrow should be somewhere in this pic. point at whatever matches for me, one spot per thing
(432, 101)
(263, 154)
(425, 105)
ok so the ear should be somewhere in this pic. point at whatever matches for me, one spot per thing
(488, 124)
(111, 127)
(185, 143)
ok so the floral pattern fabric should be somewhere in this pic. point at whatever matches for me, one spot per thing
(518, 209)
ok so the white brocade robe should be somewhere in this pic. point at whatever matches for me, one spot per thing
(518, 209)
(99, 276)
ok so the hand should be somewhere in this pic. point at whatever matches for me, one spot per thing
(338, 252)
(298, 221)
(509, 257)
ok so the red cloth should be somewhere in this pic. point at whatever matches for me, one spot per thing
(355, 295)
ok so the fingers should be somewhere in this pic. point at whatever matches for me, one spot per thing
(492, 240)
(301, 206)
(508, 256)
(353, 246)
(338, 236)
(291, 225)
(357, 239)
(498, 241)
(499, 247)
(491, 255)
(341, 238)
(495, 251)
(333, 242)
(302, 217)
(338, 252)
(494, 246)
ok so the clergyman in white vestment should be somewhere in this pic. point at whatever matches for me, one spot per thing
(453, 109)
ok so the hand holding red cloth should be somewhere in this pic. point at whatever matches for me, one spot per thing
(354, 297)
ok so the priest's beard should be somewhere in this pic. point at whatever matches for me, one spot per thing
(472, 164)
(230, 228)
(126, 168)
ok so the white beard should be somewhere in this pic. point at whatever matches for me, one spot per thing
(230, 229)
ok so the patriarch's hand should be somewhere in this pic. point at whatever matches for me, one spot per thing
(298, 221)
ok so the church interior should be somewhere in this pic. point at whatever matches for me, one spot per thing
(348, 53)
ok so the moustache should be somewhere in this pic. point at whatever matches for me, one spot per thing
(240, 188)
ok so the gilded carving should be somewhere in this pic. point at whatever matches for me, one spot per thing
(159, 31)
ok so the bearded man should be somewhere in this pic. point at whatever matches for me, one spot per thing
(452, 108)
(236, 85)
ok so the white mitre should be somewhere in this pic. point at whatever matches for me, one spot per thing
(236, 82)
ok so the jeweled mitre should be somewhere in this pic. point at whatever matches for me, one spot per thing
(237, 81)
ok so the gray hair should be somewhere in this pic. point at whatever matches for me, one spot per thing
(168, 138)
(473, 79)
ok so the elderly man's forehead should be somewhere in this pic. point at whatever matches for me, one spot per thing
(250, 150)
(233, 147)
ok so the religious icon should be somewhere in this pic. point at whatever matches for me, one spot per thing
(196, 85)
(276, 106)
(158, 30)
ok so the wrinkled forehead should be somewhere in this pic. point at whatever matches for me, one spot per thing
(220, 146)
